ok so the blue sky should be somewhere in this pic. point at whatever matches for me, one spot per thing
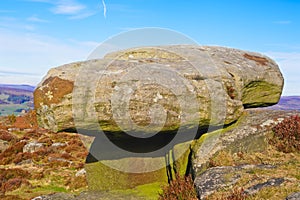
(36, 35)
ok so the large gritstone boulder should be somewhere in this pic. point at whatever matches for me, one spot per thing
(145, 105)
(157, 88)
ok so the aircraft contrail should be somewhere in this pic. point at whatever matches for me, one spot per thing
(104, 8)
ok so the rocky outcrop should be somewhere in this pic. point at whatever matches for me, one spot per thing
(90, 196)
(196, 86)
(219, 177)
(269, 183)
(3, 145)
(294, 196)
(57, 196)
(32, 147)
(134, 93)
(248, 136)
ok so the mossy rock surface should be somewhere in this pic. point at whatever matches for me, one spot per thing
(103, 177)
(142, 185)
(260, 93)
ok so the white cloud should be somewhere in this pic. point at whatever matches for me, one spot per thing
(19, 78)
(73, 9)
(289, 64)
(70, 8)
(34, 18)
(82, 15)
(283, 22)
(104, 8)
(26, 58)
(14, 24)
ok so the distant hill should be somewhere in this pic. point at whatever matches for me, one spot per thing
(287, 103)
(15, 98)
(17, 87)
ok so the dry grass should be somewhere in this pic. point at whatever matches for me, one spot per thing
(232, 194)
(287, 166)
(11, 179)
(283, 152)
(45, 171)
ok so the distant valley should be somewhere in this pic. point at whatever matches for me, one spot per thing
(287, 103)
(15, 99)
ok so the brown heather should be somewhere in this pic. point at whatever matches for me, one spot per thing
(181, 188)
(286, 137)
(11, 179)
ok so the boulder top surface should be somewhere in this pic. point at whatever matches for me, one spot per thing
(195, 86)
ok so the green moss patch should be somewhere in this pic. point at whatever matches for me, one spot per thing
(260, 93)
(101, 177)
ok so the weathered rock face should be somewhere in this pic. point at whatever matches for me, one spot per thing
(249, 135)
(225, 176)
(294, 196)
(210, 86)
(246, 135)
(32, 147)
